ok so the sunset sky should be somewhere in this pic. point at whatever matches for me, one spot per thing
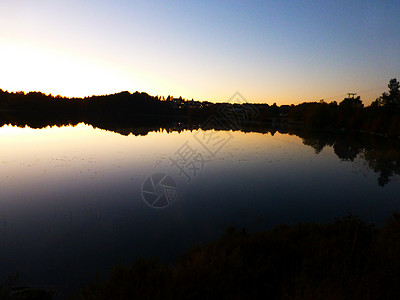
(270, 51)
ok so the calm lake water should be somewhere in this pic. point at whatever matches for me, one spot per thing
(72, 199)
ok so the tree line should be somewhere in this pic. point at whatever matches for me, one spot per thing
(381, 117)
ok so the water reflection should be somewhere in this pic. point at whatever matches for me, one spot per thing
(381, 154)
(71, 202)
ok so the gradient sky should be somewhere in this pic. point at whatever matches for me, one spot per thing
(270, 51)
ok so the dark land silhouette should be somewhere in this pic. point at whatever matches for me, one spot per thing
(36, 109)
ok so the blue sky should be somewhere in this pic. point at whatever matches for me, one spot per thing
(270, 51)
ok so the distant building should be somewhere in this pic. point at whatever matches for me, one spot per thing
(284, 111)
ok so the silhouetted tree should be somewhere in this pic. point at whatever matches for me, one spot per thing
(353, 103)
(391, 99)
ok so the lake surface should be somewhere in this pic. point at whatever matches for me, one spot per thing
(76, 200)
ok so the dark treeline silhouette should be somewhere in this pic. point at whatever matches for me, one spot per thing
(381, 117)
(120, 105)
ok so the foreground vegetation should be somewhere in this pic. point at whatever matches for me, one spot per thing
(346, 259)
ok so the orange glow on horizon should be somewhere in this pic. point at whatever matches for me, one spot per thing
(72, 74)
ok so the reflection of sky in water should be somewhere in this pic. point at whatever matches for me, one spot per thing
(70, 201)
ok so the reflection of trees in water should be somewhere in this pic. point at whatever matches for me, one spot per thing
(318, 141)
(382, 155)
(385, 162)
(347, 147)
